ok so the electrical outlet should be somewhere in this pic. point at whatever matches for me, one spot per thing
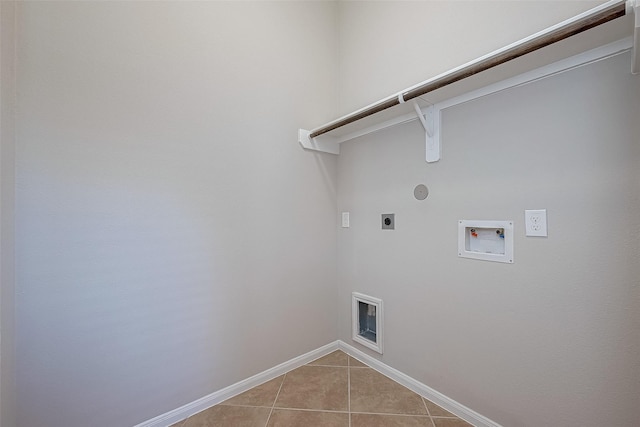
(535, 222)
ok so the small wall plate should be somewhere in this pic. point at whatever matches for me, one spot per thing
(388, 221)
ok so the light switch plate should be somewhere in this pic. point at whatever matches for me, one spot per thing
(535, 222)
(345, 219)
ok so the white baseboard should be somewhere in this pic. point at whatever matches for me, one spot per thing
(427, 392)
(172, 417)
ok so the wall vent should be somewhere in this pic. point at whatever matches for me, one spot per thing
(367, 321)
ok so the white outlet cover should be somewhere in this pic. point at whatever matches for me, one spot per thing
(535, 222)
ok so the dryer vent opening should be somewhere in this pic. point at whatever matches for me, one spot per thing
(367, 321)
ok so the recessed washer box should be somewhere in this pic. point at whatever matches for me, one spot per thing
(486, 240)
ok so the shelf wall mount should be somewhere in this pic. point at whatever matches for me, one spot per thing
(323, 143)
(327, 138)
(430, 120)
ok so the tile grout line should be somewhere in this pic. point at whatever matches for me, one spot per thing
(311, 410)
(349, 387)
(338, 366)
(243, 406)
(332, 411)
(433, 423)
(275, 400)
(396, 415)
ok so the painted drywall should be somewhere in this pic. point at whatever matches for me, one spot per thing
(387, 46)
(553, 338)
(172, 238)
(160, 193)
(7, 206)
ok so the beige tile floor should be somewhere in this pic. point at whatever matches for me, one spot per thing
(333, 391)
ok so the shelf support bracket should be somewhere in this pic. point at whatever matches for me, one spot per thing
(323, 143)
(431, 123)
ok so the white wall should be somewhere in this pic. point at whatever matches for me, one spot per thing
(7, 206)
(552, 339)
(387, 46)
(172, 238)
(160, 192)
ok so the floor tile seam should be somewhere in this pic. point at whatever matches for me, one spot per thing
(245, 406)
(333, 411)
(284, 377)
(324, 366)
(391, 414)
(424, 402)
(425, 405)
(349, 389)
(328, 366)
